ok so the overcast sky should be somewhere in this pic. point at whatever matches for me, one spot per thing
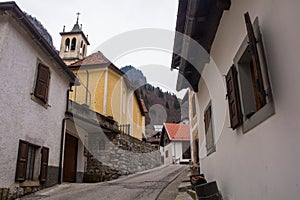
(104, 19)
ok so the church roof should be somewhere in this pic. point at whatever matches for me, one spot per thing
(76, 28)
(96, 58)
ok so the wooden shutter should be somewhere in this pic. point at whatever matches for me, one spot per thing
(42, 83)
(44, 164)
(233, 98)
(210, 147)
(207, 119)
(22, 161)
(258, 80)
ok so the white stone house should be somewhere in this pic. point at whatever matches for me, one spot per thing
(175, 143)
(34, 83)
(246, 93)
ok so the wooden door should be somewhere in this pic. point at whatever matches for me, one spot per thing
(70, 159)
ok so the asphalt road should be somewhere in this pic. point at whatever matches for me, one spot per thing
(142, 186)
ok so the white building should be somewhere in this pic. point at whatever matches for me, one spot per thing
(33, 93)
(175, 143)
(247, 123)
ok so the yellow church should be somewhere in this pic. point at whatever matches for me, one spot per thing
(104, 88)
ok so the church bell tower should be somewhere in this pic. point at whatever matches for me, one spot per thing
(73, 44)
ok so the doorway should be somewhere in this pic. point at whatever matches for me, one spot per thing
(70, 159)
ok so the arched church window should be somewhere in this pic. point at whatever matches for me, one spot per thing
(73, 44)
(67, 44)
(81, 48)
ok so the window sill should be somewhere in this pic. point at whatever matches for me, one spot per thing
(30, 184)
(264, 113)
(211, 151)
(38, 101)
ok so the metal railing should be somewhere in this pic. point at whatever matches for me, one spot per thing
(125, 128)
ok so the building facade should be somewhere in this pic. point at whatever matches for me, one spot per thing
(175, 143)
(34, 83)
(106, 90)
(246, 121)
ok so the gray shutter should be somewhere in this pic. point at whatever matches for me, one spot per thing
(22, 161)
(44, 164)
(235, 113)
(42, 83)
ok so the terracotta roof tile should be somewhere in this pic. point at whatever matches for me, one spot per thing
(178, 131)
(93, 59)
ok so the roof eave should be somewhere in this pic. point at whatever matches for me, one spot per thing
(202, 15)
(20, 16)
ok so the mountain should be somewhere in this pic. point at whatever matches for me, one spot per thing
(162, 106)
(38, 25)
(135, 76)
(154, 96)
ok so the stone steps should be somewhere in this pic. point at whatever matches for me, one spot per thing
(184, 186)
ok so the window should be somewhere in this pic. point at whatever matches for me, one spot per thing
(194, 105)
(29, 160)
(81, 48)
(73, 44)
(67, 45)
(196, 152)
(248, 86)
(186, 148)
(209, 136)
(42, 83)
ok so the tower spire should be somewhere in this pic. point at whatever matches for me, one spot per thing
(77, 17)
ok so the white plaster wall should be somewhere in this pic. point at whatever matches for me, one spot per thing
(21, 117)
(168, 148)
(177, 150)
(264, 163)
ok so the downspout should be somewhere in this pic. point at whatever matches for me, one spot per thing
(63, 136)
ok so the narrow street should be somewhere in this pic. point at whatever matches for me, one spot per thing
(144, 185)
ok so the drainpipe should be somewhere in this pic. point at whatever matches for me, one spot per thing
(63, 136)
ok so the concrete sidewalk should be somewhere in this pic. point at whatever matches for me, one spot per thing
(171, 192)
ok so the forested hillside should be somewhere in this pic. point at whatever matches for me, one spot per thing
(153, 95)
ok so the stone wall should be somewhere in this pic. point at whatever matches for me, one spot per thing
(111, 155)
(15, 191)
(3, 193)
